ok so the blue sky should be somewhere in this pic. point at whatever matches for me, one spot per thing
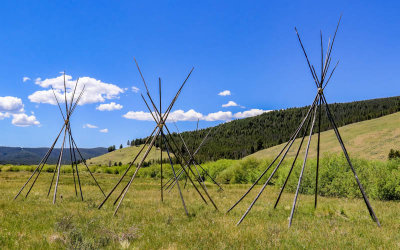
(247, 47)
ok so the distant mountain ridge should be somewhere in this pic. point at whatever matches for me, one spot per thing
(32, 156)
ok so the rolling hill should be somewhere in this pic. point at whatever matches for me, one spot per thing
(370, 139)
(125, 156)
(239, 138)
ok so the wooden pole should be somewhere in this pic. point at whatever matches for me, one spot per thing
(59, 168)
(294, 162)
(302, 169)
(272, 174)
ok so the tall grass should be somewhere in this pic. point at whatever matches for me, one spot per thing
(381, 180)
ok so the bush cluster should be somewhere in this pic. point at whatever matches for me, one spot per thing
(381, 180)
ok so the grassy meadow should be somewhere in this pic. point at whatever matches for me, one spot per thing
(124, 156)
(143, 222)
(371, 139)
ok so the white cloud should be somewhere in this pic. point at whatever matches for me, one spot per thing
(192, 115)
(250, 113)
(225, 93)
(138, 115)
(180, 115)
(177, 115)
(23, 120)
(219, 116)
(104, 130)
(87, 125)
(109, 107)
(135, 89)
(25, 78)
(230, 104)
(95, 90)
(4, 115)
(11, 104)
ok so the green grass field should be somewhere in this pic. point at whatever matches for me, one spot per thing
(144, 222)
(371, 140)
(125, 155)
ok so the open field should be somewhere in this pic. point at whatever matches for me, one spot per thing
(125, 155)
(146, 223)
(370, 139)
(381, 179)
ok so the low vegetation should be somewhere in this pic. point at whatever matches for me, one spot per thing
(381, 179)
(145, 223)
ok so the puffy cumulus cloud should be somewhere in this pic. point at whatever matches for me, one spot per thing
(104, 130)
(219, 116)
(88, 125)
(250, 113)
(230, 104)
(225, 93)
(25, 78)
(13, 107)
(109, 106)
(138, 115)
(95, 90)
(135, 89)
(23, 120)
(11, 104)
(180, 115)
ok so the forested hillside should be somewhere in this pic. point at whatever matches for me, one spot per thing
(239, 138)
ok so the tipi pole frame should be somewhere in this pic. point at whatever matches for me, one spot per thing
(160, 125)
(69, 110)
(321, 84)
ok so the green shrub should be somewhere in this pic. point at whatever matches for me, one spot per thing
(381, 180)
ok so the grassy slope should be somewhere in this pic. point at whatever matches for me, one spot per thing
(368, 139)
(125, 156)
(145, 223)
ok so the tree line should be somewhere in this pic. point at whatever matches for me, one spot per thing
(239, 138)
